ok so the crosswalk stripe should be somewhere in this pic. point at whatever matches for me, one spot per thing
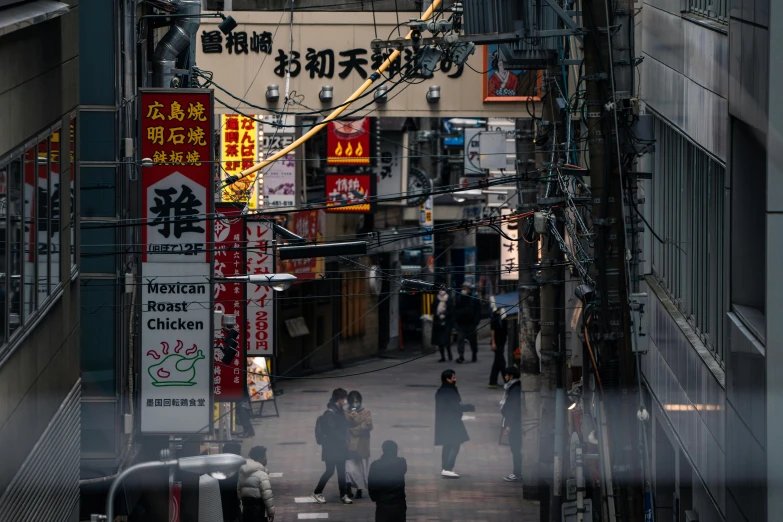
(275, 475)
(310, 516)
(304, 500)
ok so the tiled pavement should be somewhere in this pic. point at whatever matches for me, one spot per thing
(402, 401)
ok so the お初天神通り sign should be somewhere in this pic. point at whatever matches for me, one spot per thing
(176, 275)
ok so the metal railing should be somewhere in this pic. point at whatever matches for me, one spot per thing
(715, 9)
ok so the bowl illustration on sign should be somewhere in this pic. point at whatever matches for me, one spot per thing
(174, 369)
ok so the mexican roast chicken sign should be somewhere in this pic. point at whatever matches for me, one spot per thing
(176, 276)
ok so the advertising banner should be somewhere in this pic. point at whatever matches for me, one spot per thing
(349, 193)
(176, 133)
(348, 142)
(509, 250)
(260, 303)
(389, 170)
(230, 298)
(258, 383)
(239, 151)
(310, 224)
(176, 275)
(176, 384)
(279, 178)
(426, 222)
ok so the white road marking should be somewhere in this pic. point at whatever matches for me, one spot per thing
(275, 475)
(468, 417)
(304, 500)
(310, 516)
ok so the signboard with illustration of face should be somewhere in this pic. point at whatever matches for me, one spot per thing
(348, 142)
(349, 193)
(502, 84)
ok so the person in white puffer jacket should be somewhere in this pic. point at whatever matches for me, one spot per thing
(255, 489)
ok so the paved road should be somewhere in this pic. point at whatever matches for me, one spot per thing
(402, 402)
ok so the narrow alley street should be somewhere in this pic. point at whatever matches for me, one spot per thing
(402, 403)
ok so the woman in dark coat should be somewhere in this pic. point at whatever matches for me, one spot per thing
(450, 431)
(442, 323)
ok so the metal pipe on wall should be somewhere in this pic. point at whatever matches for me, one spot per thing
(174, 42)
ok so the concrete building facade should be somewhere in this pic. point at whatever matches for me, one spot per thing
(40, 386)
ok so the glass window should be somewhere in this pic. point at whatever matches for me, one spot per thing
(98, 248)
(15, 245)
(41, 210)
(97, 190)
(98, 428)
(73, 201)
(53, 236)
(29, 236)
(3, 250)
(99, 300)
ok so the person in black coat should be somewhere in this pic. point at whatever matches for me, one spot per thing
(442, 323)
(467, 314)
(450, 431)
(334, 446)
(229, 498)
(511, 407)
(499, 334)
(386, 485)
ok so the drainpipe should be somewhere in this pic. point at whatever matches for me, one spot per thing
(174, 42)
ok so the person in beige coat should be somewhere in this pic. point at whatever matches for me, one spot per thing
(360, 424)
(255, 488)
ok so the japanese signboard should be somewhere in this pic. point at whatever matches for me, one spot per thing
(426, 222)
(230, 298)
(239, 151)
(176, 384)
(310, 224)
(279, 177)
(472, 150)
(176, 133)
(348, 142)
(507, 126)
(260, 303)
(509, 250)
(389, 169)
(350, 193)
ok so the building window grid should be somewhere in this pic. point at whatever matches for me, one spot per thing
(716, 9)
(19, 234)
(687, 212)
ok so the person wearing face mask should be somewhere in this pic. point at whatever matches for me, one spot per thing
(450, 431)
(360, 424)
(442, 324)
(468, 314)
(332, 434)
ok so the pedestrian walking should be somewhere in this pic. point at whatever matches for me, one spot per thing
(387, 485)
(499, 334)
(229, 488)
(450, 431)
(442, 324)
(255, 488)
(467, 314)
(360, 423)
(332, 434)
(511, 407)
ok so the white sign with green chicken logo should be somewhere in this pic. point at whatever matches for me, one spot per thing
(175, 356)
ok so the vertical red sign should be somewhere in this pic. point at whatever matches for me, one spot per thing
(176, 134)
(348, 142)
(230, 260)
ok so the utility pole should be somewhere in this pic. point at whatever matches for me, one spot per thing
(528, 309)
(609, 67)
(552, 418)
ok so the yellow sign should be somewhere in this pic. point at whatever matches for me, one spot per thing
(239, 151)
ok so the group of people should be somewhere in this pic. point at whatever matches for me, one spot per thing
(450, 431)
(463, 314)
(343, 432)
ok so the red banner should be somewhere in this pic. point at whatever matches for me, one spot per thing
(310, 224)
(348, 142)
(230, 260)
(349, 193)
(176, 134)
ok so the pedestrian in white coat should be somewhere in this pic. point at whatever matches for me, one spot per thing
(255, 489)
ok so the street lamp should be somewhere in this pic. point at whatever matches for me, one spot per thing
(218, 466)
(278, 282)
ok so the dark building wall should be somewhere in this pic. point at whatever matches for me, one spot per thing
(39, 358)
